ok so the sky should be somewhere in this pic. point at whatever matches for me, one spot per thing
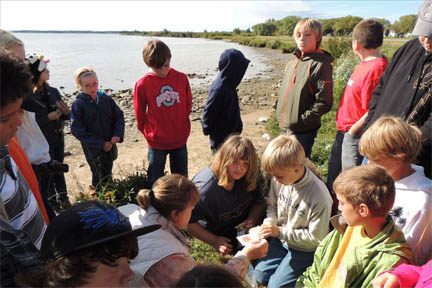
(194, 16)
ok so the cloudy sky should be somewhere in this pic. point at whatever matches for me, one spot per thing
(183, 15)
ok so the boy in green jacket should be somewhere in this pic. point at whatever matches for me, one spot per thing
(307, 87)
(365, 241)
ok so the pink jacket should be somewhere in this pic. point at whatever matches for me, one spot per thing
(414, 276)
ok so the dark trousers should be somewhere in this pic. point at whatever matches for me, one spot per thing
(43, 181)
(157, 160)
(57, 183)
(307, 139)
(335, 167)
(101, 164)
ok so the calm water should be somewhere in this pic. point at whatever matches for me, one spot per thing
(117, 59)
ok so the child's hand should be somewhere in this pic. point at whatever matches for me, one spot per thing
(256, 249)
(63, 107)
(248, 224)
(269, 230)
(222, 245)
(54, 115)
(115, 140)
(107, 146)
(386, 280)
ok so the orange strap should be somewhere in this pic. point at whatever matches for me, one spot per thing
(18, 155)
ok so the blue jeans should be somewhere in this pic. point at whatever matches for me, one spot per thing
(307, 140)
(157, 159)
(282, 265)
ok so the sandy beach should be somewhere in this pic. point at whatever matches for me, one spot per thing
(256, 97)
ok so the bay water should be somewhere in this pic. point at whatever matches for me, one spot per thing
(117, 59)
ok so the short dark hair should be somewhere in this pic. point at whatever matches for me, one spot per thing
(369, 33)
(15, 81)
(155, 53)
(209, 276)
(73, 269)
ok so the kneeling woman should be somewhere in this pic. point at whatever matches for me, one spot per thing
(164, 256)
(229, 195)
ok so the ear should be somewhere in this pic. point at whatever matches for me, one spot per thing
(174, 216)
(363, 210)
(356, 45)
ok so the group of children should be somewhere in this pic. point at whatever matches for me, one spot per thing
(385, 204)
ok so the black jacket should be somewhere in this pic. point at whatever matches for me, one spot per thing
(405, 81)
(221, 114)
(52, 129)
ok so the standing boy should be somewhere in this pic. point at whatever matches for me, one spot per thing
(405, 88)
(298, 213)
(365, 241)
(221, 114)
(395, 145)
(307, 87)
(367, 40)
(162, 103)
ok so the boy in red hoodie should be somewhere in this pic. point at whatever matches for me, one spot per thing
(162, 103)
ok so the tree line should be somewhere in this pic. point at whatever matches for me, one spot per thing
(334, 26)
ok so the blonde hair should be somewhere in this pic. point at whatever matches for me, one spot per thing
(169, 193)
(282, 153)
(391, 137)
(236, 148)
(82, 72)
(368, 184)
(310, 24)
(8, 40)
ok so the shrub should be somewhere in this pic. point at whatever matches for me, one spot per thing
(337, 46)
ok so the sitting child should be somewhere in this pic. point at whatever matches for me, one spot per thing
(298, 212)
(365, 241)
(229, 195)
(394, 144)
(164, 256)
(98, 123)
(406, 276)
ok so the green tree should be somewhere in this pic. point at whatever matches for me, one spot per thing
(286, 25)
(237, 30)
(404, 25)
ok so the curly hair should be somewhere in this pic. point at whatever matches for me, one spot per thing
(74, 269)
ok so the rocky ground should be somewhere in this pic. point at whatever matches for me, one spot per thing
(256, 97)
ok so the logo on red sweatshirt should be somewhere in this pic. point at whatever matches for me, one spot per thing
(168, 96)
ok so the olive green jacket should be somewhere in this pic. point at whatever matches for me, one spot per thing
(384, 252)
(306, 93)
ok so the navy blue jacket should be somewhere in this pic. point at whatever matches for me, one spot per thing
(221, 114)
(96, 123)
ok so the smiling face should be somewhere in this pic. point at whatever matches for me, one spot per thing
(238, 169)
(10, 120)
(306, 40)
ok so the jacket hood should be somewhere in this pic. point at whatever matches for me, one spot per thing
(318, 54)
(232, 67)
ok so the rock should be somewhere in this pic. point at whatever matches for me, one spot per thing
(196, 118)
(266, 136)
(263, 119)
(67, 153)
(134, 139)
(82, 164)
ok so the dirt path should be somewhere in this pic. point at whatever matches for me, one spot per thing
(256, 98)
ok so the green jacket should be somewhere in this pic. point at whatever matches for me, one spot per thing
(387, 250)
(306, 93)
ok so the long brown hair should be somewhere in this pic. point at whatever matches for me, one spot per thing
(236, 148)
(169, 193)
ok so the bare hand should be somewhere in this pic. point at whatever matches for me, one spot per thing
(54, 115)
(63, 107)
(386, 280)
(248, 224)
(107, 146)
(222, 245)
(115, 140)
(269, 230)
(256, 249)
